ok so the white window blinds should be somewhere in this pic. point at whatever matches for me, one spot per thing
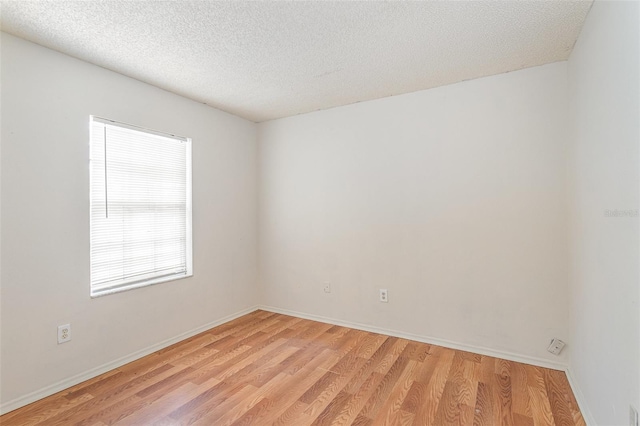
(140, 207)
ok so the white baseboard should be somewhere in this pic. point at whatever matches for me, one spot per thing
(580, 399)
(79, 378)
(540, 362)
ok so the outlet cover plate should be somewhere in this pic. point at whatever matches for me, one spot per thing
(64, 333)
(556, 346)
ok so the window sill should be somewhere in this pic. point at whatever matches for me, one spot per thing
(131, 286)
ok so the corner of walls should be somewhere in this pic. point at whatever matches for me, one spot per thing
(604, 231)
(259, 206)
(580, 398)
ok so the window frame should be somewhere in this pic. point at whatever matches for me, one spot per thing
(103, 290)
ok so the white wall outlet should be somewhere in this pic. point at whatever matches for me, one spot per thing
(634, 420)
(384, 295)
(556, 346)
(64, 333)
(327, 287)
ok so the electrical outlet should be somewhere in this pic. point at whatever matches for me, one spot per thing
(633, 416)
(556, 346)
(384, 295)
(64, 333)
(327, 287)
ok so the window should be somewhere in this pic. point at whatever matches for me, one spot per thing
(140, 207)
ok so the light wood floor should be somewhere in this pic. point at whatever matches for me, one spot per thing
(266, 368)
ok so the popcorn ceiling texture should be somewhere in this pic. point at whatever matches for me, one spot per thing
(266, 60)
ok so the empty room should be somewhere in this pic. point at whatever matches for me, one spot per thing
(320, 212)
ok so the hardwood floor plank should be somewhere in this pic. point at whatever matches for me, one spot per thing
(352, 407)
(390, 410)
(362, 421)
(265, 368)
(289, 395)
(463, 373)
(371, 345)
(254, 416)
(107, 397)
(487, 369)
(521, 401)
(483, 413)
(372, 363)
(428, 409)
(556, 386)
(418, 351)
(415, 396)
(318, 387)
(292, 414)
(419, 388)
(244, 360)
(448, 412)
(303, 358)
(503, 402)
(347, 367)
(540, 406)
(403, 418)
(100, 386)
(206, 401)
(333, 409)
(168, 384)
(521, 420)
(467, 414)
(233, 407)
(114, 412)
(391, 356)
(41, 414)
(161, 407)
(379, 396)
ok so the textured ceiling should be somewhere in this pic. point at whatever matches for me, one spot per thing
(265, 60)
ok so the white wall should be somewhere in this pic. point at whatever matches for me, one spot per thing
(603, 74)
(47, 98)
(454, 199)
